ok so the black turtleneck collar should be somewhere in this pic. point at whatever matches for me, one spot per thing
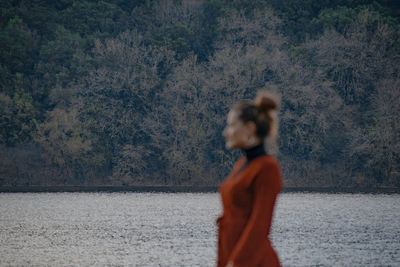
(254, 152)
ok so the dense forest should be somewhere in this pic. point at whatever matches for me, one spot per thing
(118, 92)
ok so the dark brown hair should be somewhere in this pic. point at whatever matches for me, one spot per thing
(259, 112)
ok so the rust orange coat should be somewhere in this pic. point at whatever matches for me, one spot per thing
(248, 200)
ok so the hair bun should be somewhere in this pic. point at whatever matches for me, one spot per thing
(266, 101)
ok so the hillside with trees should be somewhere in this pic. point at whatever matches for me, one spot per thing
(119, 92)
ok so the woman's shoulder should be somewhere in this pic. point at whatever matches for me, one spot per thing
(269, 172)
(270, 165)
(268, 161)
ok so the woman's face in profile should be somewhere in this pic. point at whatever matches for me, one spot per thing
(236, 132)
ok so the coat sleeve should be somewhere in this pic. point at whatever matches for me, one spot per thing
(248, 251)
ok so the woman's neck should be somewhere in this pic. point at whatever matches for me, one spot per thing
(254, 152)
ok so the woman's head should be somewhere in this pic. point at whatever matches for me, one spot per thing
(250, 123)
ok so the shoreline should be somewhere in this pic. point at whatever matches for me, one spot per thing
(185, 189)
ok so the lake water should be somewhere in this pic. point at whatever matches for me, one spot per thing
(167, 229)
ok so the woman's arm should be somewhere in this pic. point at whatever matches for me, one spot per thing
(266, 186)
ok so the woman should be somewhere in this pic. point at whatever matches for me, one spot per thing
(249, 193)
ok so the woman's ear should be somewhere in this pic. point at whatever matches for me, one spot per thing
(251, 128)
